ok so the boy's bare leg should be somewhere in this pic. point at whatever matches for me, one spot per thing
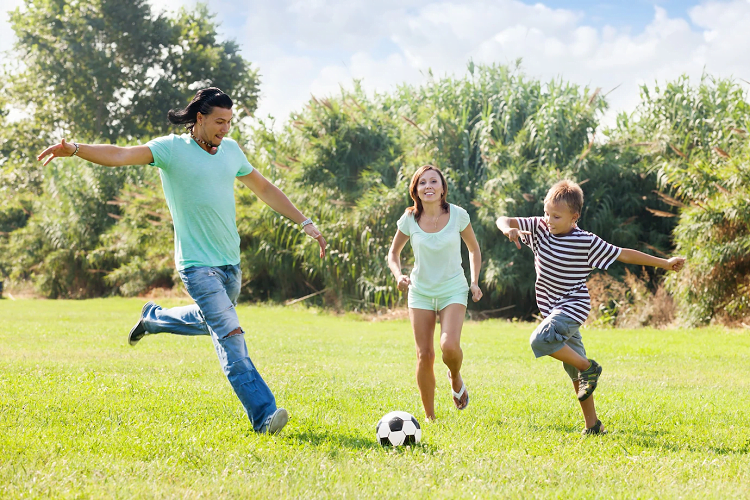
(423, 325)
(568, 355)
(588, 409)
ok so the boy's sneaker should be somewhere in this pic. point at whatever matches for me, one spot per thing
(139, 330)
(275, 422)
(595, 430)
(587, 380)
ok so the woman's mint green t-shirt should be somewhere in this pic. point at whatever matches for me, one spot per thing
(437, 256)
(199, 188)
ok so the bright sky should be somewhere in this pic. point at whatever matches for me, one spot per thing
(305, 47)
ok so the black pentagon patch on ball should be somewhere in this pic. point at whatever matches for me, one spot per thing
(396, 424)
(416, 424)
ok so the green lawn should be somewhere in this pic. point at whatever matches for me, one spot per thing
(84, 415)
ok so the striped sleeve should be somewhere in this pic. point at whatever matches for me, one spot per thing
(530, 224)
(602, 254)
(527, 223)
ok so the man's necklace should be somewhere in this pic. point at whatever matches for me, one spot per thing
(200, 141)
(211, 148)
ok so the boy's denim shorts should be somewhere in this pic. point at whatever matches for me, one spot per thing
(421, 301)
(553, 333)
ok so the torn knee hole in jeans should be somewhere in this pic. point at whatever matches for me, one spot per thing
(236, 331)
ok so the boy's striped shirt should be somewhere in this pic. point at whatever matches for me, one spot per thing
(562, 265)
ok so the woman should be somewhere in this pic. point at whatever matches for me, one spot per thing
(437, 285)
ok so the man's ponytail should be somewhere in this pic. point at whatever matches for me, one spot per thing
(203, 102)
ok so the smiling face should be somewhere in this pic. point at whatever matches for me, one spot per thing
(430, 187)
(559, 217)
(214, 126)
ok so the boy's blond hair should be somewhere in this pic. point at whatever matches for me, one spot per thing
(568, 192)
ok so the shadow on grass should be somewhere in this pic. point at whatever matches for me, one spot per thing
(654, 439)
(565, 428)
(337, 441)
(661, 440)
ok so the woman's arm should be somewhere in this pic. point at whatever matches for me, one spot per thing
(394, 260)
(475, 261)
(630, 256)
(277, 200)
(101, 154)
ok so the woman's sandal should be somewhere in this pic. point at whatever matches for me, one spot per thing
(596, 429)
(458, 395)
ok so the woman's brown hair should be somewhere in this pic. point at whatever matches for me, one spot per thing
(417, 209)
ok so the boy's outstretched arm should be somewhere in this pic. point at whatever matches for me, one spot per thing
(630, 256)
(510, 228)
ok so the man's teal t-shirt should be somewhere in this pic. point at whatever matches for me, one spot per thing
(199, 188)
(437, 268)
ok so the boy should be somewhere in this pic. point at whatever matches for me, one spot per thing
(564, 255)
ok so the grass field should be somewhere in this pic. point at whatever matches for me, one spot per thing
(84, 415)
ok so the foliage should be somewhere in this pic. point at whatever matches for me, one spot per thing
(525, 136)
(98, 71)
(349, 180)
(105, 70)
(501, 141)
(628, 303)
(53, 249)
(111, 69)
(671, 176)
(140, 244)
(695, 140)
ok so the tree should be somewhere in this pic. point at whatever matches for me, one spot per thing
(694, 137)
(96, 71)
(500, 139)
(111, 69)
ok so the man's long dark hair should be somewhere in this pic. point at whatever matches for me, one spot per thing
(204, 102)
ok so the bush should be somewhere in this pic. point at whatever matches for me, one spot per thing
(628, 303)
(695, 139)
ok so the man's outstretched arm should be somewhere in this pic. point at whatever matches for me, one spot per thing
(102, 154)
(276, 199)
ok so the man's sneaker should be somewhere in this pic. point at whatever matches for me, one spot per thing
(275, 422)
(139, 330)
(596, 429)
(587, 380)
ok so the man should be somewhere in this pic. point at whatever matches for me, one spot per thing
(197, 170)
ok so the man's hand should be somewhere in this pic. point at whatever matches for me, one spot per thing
(313, 233)
(476, 292)
(675, 264)
(403, 283)
(515, 235)
(60, 150)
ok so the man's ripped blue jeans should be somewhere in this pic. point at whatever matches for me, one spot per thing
(215, 291)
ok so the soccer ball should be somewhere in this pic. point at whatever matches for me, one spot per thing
(398, 428)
